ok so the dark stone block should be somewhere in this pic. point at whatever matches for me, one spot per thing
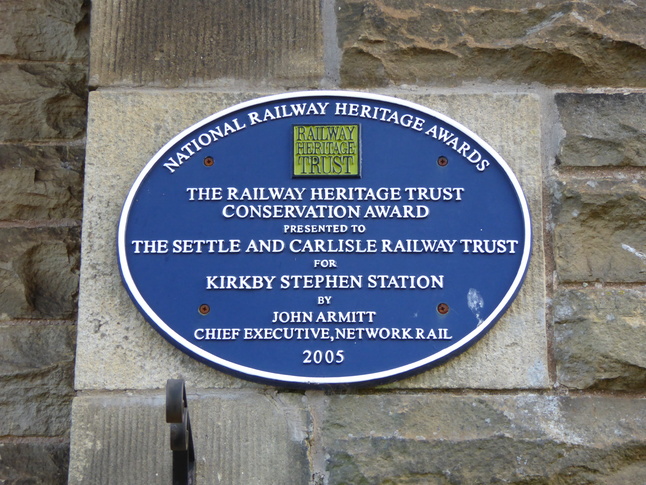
(42, 101)
(35, 462)
(39, 272)
(602, 129)
(44, 31)
(36, 375)
(463, 439)
(449, 42)
(599, 340)
(41, 182)
(600, 229)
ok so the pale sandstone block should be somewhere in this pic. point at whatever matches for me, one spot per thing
(192, 43)
(117, 349)
(240, 437)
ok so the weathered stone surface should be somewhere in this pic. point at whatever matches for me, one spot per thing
(192, 43)
(602, 129)
(497, 361)
(37, 377)
(38, 272)
(599, 341)
(240, 437)
(600, 229)
(525, 439)
(117, 349)
(41, 101)
(44, 31)
(41, 182)
(449, 42)
(34, 462)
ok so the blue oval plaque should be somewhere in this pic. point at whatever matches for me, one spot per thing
(322, 238)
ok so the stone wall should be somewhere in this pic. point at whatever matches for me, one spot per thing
(43, 96)
(555, 394)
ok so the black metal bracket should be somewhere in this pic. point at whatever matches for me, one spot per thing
(181, 435)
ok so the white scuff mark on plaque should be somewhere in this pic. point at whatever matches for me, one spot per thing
(475, 303)
(639, 254)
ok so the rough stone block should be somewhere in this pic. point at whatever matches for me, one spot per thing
(37, 377)
(38, 272)
(600, 229)
(602, 129)
(240, 437)
(41, 182)
(449, 42)
(42, 101)
(117, 349)
(191, 43)
(44, 31)
(599, 340)
(445, 439)
(37, 462)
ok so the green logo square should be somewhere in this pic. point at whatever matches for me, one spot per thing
(326, 151)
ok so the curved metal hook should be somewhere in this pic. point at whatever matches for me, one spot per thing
(181, 434)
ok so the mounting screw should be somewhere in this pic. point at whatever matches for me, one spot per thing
(443, 308)
(204, 309)
(442, 161)
(208, 161)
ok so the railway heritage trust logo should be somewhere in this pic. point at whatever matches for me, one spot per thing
(326, 151)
